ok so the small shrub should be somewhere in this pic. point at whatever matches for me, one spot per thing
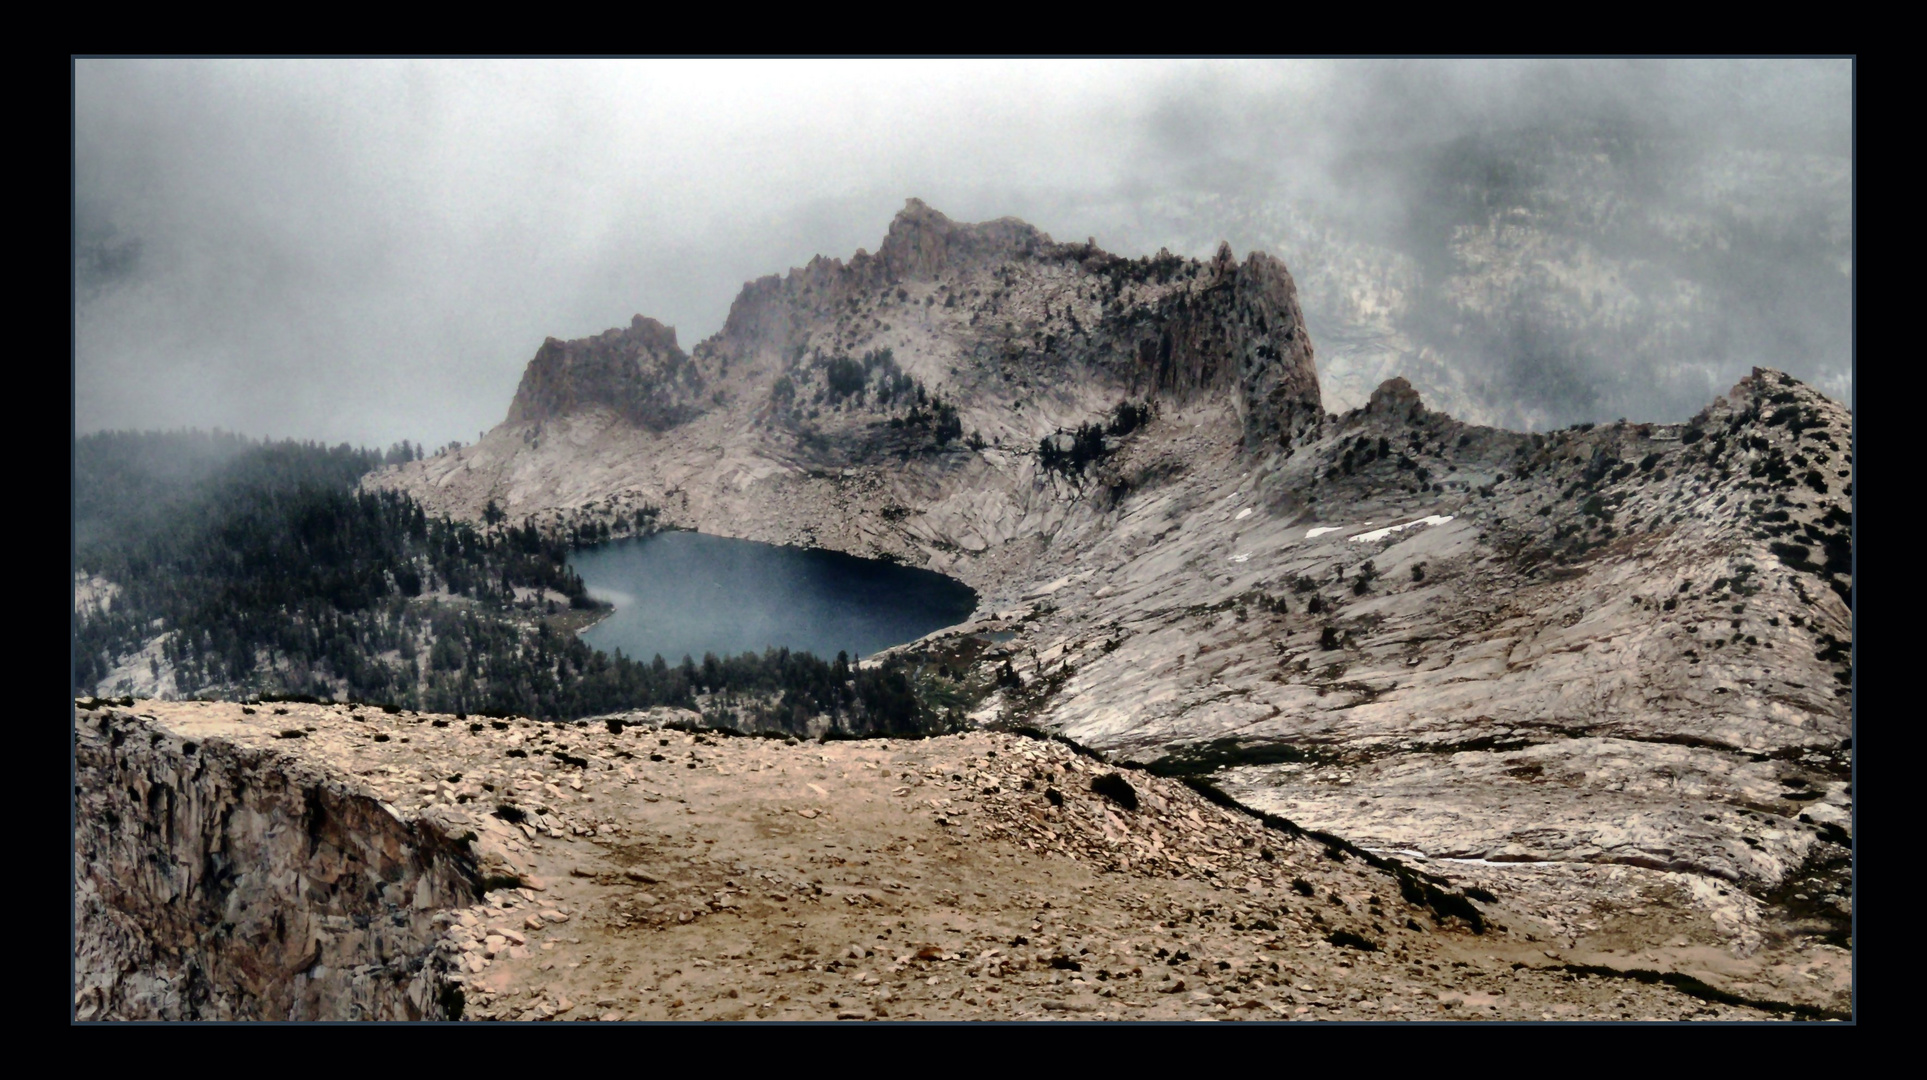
(844, 377)
(1127, 417)
(1114, 787)
(1349, 940)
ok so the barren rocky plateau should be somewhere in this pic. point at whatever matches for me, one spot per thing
(1600, 675)
(324, 861)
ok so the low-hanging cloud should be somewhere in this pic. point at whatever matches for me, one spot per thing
(371, 250)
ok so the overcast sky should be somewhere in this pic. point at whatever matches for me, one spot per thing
(368, 251)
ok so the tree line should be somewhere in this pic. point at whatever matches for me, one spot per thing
(262, 568)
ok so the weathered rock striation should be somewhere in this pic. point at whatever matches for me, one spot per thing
(222, 877)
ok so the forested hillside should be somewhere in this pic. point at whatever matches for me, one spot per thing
(260, 568)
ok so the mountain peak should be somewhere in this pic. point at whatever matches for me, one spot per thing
(640, 372)
(989, 312)
(924, 243)
(1396, 397)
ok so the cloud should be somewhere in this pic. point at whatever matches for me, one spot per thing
(371, 250)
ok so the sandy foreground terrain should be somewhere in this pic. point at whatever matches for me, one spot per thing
(675, 876)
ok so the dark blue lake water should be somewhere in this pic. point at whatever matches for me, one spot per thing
(685, 593)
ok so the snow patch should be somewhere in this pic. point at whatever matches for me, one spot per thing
(1380, 534)
(1323, 529)
(1243, 514)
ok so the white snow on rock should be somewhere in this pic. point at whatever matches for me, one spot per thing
(1322, 530)
(1380, 534)
(1243, 514)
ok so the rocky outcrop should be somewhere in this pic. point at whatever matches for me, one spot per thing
(1243, 328)
(994, 303)
(1395, 399)
(218, 878)
(923, 244)
(640, 373)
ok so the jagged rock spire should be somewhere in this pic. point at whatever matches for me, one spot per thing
(640, 372)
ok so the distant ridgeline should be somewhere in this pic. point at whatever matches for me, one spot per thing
(242, 568)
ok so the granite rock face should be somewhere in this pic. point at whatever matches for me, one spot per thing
(923, 244)
(640, 373)
(1264, 329)
(236, 881)
(1624, 645)
(979, 313)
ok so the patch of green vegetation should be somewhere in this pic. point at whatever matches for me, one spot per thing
(1072, 452)
(1203, 759)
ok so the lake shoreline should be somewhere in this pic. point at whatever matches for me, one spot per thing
(597, 621)
(692, 593)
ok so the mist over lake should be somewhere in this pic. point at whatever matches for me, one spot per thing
(687, 593)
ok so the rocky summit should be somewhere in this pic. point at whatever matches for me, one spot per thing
(1419, 718)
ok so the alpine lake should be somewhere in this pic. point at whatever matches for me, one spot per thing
(682, 594)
